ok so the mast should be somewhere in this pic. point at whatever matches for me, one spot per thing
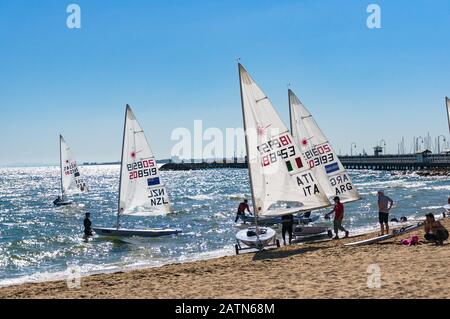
(60, 165)
(121, 164)
(447, 105)
(255, 211)
(290, 112)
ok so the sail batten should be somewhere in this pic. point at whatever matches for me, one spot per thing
(280, 180)
(142, 191)
(71, 179)
(319, 153)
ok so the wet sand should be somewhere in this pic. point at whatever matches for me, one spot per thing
(314, 270)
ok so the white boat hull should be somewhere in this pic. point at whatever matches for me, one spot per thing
(265, 238)
(277, 220)
(300, 231)
(123, 232)
(396, 232)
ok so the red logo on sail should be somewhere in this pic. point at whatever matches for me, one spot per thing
(304, 142)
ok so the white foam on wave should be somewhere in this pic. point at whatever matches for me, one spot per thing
(431, 207)
(200, 197)
(392, 184)
(437, 188)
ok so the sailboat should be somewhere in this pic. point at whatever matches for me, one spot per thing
(71, 179)
(141, 189)
(319, 154)
(280, 180)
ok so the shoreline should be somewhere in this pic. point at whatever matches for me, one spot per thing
(310, 270)
(42, 277)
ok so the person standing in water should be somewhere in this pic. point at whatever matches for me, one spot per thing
(241, 210)
(338, 211)
(385, 204)
(87, 227)
(287, 225)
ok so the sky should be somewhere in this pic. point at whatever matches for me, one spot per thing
(175, 62)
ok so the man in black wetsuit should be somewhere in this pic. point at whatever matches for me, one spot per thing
(288, 224)
(87, 226)
(57, 200)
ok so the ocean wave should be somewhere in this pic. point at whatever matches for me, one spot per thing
(200, 197)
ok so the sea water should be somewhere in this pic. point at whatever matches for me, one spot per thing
(41, 242)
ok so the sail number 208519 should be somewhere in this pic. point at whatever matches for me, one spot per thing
(143, 168)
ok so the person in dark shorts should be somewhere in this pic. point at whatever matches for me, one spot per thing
(434, 231)
(338, 211)
(384, 206)
(87, 226)
(241, 210)
(287, 222)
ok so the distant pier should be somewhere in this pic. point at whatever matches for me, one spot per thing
(198, 166)
(412, 162)
(419, 161)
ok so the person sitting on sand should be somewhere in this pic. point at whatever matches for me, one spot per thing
(338, 211)
(385, 204)
(241, 210)
(434, 231)
(287, 225)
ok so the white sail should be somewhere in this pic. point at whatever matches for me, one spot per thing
(142, 191)
(71, 179)
(280, 179)
(447, 102)
(319, 154)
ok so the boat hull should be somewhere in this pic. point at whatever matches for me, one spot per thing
(256, 241)
(395, 232)
(123, 232)
(301, 231)
(65, 203)
(277, 220)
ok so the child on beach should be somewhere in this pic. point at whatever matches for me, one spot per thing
(434, 231)
(338, 211)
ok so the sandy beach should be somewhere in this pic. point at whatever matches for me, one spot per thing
(315, 270)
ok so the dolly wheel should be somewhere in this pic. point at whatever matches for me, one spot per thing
(278, 243)
(330, 233)
(236, 247)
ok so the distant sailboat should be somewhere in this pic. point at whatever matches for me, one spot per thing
(71, 179)
(280, 179)
(141, 190)
(319, 154)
